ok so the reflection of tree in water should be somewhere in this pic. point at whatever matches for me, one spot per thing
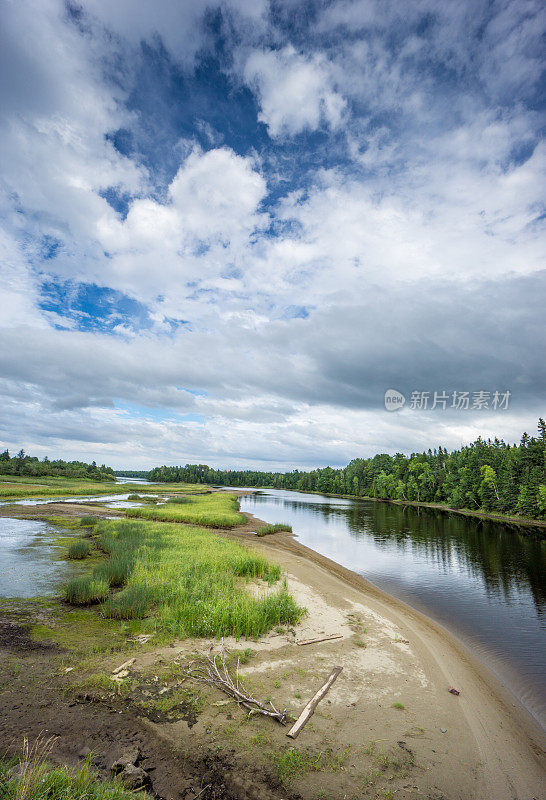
(497, 553)
(504, 559)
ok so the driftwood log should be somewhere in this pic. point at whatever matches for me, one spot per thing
(309, 709)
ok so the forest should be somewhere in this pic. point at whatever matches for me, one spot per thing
(23, 464)
(486, 475)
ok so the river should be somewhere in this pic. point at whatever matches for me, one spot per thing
(482, 580)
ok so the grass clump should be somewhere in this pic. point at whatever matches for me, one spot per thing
(79, 549)
(141, 499)
(399, 706)
(35, 779)
(191, 582)
(218, 510)
(88, 521)
(278, 526)
(116, 570)
(294, 763)
(86, 590)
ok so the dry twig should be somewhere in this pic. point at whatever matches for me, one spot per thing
(213, 671)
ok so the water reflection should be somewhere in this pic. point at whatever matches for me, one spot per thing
(31, 562)
(484, 580)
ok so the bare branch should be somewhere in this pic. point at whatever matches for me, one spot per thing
(213, 671)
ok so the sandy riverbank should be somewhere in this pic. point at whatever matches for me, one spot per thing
(476, 746)
(491, 748)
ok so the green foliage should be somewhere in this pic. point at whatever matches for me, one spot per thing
(79, 549)
(278, 526)
(217, 510)
(40, 781)
(86, 590)
(488, 475)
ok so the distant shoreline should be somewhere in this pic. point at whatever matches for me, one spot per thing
(526, 522)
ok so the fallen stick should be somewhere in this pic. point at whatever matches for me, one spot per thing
(309, 709)
(320, 639)
(123, 666)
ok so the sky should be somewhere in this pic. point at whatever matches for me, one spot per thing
(228, 228)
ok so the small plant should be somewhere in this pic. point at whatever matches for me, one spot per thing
(398, 705)
(297, 695)
(276, 528)
(293, 763)
(79, 549)
(359, 642)
(86, 590)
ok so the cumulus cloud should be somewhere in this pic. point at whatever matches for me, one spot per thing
(382, 228)
(296, 92)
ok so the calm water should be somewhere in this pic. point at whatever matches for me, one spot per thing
(31, 563)
(482, 580)
(110, 500)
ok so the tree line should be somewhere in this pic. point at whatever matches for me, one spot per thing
(487, 475)
(23, 464)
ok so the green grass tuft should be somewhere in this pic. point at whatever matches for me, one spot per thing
(79, 549)
(399, 706)
(85, 590)
(40, 781)
(278, 526)
(88, 521)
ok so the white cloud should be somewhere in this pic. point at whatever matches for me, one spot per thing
(296, 92)
(406, 255)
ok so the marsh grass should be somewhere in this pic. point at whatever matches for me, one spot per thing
(276, 528)
(193, 583)
(187, 580)
(79, 549)
(16, 487)
(88, 521)
(142, 499)
(85, 590)
(216, 510)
